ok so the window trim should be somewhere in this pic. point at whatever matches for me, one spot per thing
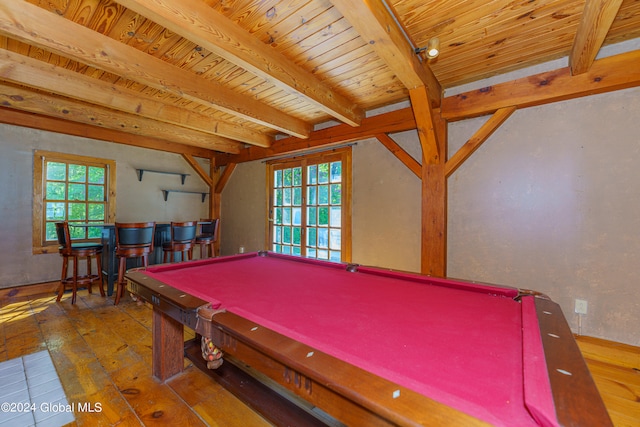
(38, 244)
(345, 155)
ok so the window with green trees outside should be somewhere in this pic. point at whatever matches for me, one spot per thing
(309, 206)
(74, 189)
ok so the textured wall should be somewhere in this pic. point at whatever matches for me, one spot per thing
(386, 206)
(552, 202)
(243, 210)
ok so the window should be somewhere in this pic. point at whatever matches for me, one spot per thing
(310, 206)
(70, 188)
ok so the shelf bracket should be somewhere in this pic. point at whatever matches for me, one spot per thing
(165, 193)
(140, 172)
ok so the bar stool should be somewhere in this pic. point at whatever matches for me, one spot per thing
(75, 251)
(133, 240)
(183, 236)
(208, 236)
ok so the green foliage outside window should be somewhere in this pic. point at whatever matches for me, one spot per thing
(76, 193)
(322, 210)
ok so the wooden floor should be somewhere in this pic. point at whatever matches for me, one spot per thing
(615, 368)
(102, 354)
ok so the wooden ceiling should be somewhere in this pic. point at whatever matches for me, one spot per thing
(223, 75)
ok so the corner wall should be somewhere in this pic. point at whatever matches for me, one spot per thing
(136, 201)
(551, 202)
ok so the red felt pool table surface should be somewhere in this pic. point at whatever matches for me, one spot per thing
(474, 347)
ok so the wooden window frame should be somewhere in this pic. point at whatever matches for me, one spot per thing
(344, 154)
(39, 244)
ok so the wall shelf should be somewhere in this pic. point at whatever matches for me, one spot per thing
(165, 193)
(183, 176)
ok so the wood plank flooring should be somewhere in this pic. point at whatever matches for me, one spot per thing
(615, 368)
(102, 354)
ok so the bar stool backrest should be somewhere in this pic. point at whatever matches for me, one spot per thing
(183, 232)
(62, 231)
(135, 235)
(209, 227)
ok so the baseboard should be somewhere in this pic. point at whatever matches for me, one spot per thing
(26, 291)
(609, 351)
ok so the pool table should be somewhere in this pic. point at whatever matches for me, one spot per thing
(375, 347)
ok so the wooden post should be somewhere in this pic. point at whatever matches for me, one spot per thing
(168, 346)
(432, 132)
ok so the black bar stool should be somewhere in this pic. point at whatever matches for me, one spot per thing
(75, 251)
(133, 240)
(208, 237)
(183, 236)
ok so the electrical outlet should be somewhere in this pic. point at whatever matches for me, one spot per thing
(581, 306)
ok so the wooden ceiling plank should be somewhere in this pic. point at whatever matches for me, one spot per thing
(333, 31)
(30, 72)
(51, 124)
(69, 109)
(412, 164)
(203, 25)
(466, 24)
(485, 131)
(31, 24)
(597, 18)
(377, 25)
(605, 75)
(314, 15)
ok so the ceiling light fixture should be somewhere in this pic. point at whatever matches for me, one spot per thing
(432, 50)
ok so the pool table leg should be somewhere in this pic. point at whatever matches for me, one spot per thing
(168, 346)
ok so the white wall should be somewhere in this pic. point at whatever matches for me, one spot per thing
(136, 201)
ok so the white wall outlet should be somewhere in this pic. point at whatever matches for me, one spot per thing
(581, 306)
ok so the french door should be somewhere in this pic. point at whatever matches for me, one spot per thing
(310, 206)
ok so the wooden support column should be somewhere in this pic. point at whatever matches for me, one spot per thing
(212, 179)
(214, 199)
(221, 179)
(434, 209)
(432, 133)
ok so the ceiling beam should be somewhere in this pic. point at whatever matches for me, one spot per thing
(201, 24)
(33, 25)
(608, 74)
(605, 75)
(27, 71)
(50, 124)
(597, 17)
(379, 27)
(395, 121)
(76, 111)
(426, 126)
